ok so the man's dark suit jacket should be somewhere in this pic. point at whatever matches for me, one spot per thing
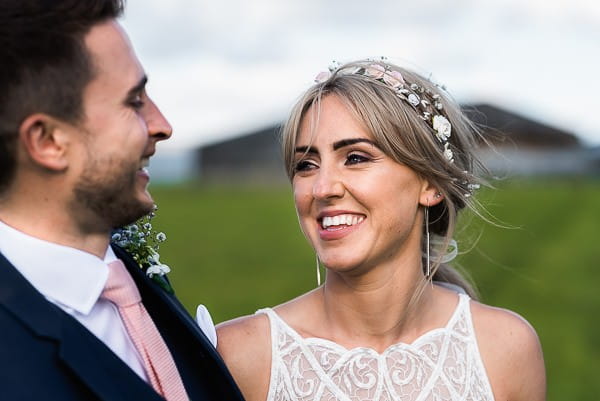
(46, 354)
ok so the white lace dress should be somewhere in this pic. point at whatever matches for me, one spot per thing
(442, 365)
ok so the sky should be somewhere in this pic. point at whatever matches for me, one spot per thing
(222, 68)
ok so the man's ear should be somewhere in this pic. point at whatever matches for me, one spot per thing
(430, 194)
(46, 141)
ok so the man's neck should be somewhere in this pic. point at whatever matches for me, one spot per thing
(53, 226)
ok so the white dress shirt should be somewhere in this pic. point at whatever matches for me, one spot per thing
(73, 280)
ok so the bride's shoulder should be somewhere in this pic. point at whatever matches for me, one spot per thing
(245, 345)
(253, 323)
(500, 326)
(511, 352)
(243, 334)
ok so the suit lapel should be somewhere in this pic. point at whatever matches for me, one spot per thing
(198, 362)
(85, 355)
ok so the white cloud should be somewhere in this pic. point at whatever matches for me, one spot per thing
(218, 68)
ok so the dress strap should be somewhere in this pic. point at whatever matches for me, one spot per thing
(275, 368)
(478, 361)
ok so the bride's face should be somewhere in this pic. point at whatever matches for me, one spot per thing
(357, 206)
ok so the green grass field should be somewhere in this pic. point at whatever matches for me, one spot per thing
(239, 249)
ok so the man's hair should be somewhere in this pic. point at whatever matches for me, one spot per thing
(44, 64)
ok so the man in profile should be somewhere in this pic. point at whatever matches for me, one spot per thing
(78, 318)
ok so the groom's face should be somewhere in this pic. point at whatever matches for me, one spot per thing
(119, 133)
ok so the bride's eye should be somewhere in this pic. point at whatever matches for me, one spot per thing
(356, 158)
(304, 165)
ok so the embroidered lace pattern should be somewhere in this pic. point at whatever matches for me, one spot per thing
(442, 365)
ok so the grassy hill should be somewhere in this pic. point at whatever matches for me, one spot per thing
(239, 249)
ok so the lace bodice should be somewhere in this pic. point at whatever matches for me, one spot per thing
(442, 365)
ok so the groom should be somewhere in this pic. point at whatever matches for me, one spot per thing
(78, 319)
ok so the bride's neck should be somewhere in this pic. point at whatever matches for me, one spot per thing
(375, 310)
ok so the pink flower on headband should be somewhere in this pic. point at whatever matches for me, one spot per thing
(393, 79)
(322, 76)
(376, 71)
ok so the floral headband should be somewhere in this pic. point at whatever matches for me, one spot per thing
(413, 94)
(416, 96)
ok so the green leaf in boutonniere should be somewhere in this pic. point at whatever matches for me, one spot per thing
(142, 243)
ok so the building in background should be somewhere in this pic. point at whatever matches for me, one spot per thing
(524, 147)
(521, 147)
(249, 157)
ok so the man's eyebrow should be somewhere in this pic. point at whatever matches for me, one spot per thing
(139, 87)
(347, 142)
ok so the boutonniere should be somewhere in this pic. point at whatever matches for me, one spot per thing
(141, 241)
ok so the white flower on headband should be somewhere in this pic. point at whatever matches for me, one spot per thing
(442, 127)
(414, 99)
(375, 71)
(448, 153)
(322, 76)
(393, 79)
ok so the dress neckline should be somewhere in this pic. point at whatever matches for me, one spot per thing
(463, 301)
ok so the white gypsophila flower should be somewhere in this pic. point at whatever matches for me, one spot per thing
(448, 153)
(159, 269)
(442, 127)
(161, 237)
(154, 258)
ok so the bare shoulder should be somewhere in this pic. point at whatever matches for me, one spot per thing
(245, 345)
(511, 352)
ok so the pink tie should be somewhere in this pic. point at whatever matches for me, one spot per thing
(121, 290)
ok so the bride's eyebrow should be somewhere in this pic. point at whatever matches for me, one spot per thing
(307, 150)
(347, 142)
(336, 145)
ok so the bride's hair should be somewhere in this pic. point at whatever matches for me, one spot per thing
(403, 111)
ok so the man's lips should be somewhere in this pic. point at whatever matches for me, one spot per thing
(143, 169)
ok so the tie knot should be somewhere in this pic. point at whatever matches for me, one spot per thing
(120, 288)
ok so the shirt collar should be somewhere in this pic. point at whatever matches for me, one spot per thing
(66, 276)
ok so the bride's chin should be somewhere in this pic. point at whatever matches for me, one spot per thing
(340, 266)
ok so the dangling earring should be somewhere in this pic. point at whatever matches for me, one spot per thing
(428, 268)
(318, 271)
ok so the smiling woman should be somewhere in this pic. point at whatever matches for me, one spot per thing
(380, 161)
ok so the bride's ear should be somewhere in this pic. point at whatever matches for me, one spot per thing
(45, 140)
(430, 195)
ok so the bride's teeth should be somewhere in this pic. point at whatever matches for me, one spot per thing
(341, 219)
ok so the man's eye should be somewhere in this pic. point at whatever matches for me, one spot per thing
(355, 158)
(137, 102)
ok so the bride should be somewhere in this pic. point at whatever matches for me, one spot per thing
(381, 161)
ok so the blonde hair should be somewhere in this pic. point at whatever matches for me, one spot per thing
(402, 134)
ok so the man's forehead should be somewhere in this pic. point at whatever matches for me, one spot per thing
(112, 53)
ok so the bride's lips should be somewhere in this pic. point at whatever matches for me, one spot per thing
(336, 224)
